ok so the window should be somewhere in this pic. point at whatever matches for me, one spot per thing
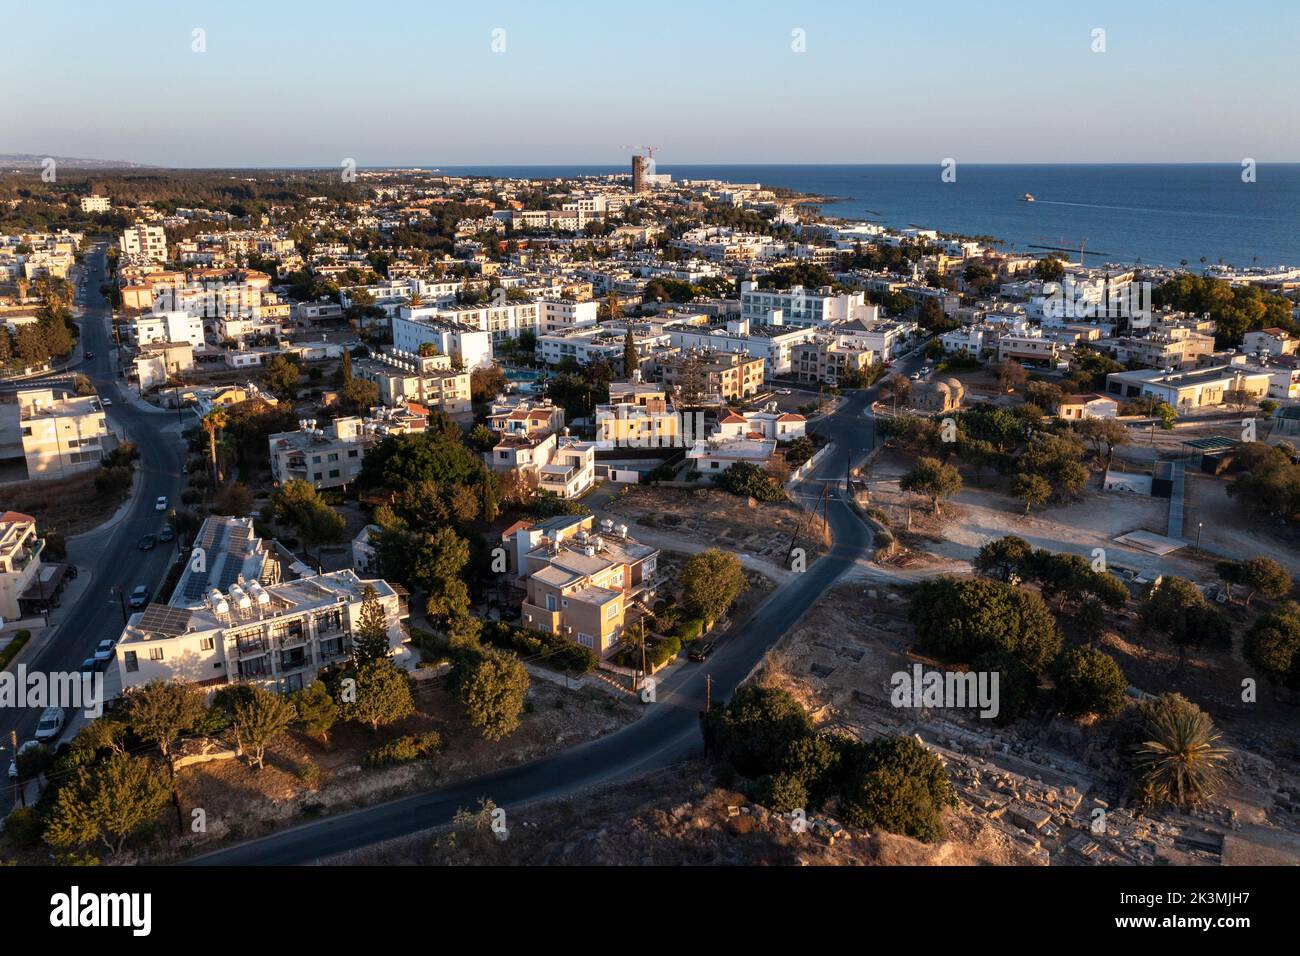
(206, 644)
(155, 653)
(586, 640)
(611, 611)
(132, 664)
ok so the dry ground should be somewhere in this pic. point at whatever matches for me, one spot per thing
(71, 505)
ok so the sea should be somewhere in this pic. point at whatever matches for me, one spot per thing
(1168, 215)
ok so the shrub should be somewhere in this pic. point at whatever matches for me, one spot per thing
(405, 749)
(24, 826)
(899, 786)
(1088, 681)
(15, 645)
(661, 652)
(689, 630)
(960, 619)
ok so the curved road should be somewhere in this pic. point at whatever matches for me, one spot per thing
(111, 556)
(666, 734)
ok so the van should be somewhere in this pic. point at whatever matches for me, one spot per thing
(50, 725)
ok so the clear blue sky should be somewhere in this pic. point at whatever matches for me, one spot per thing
(309, 83)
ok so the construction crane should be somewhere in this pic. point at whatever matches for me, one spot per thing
(1063, 244)
(649, 150)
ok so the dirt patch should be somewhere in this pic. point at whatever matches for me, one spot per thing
(680, 818)
(241, 802)
(766, 529)
(71, 505)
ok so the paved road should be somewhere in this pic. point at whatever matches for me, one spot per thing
(665, 735)
(111, 556)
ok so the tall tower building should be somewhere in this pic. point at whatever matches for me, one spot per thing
(640, 169)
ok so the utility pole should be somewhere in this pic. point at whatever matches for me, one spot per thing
(643, 648)
(18, 786)
(848, 473)
(708, 691)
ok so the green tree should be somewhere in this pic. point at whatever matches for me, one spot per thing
(960, 619)
(933, 479)
(1273, 644)
(1180, 762)
(261, 718)
(752, 731)
(898, 786)
(382, 695)
(1262, 575)
(709, 582)
(108, 802)
(160, 711)
(1031, 489)
(316, 710)
(1017, 684)
(1177, 610)
(297, 504)
(1088, 681)
(1004, 558)
(370, 638)
(280, 376)
(630, 360)
(492, 686)
(748, 480)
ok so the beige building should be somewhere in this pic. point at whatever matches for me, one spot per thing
(826, 360)
(20, 562)
(581, 584)
(718, 376)
(62, 435)
(430, 380)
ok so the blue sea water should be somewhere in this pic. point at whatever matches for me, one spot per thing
(1158, 214)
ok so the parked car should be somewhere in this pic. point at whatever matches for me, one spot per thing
(785, 391)
(147, 542)
(161, 503)
(701, 650)
(106, 402)
(166, 534)
(51, 722)
(89, 666)
(90, 355)
(140, 596)
(105, 650)
(13, 764)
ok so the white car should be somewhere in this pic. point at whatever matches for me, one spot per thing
(161, 503)
(50, 724)
(13, 764)
(104, 651)
(106, 402)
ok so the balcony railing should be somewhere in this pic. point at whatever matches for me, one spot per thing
(541, 618)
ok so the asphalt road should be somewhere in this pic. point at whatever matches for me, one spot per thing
(668, 733)
(112, 557)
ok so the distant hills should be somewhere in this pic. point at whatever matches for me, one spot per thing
(34, 161)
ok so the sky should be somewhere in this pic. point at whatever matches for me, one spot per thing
(388, 82)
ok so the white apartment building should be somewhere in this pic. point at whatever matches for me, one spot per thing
(20, 561)
(558, 314)
(245, 618)
(331, 457)
(468, 346)
(800, 306)
(144, 240)
(774, 344)
(96, 204)
(167, 327)
(62, 435)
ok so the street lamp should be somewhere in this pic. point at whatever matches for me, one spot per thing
(1199, 526)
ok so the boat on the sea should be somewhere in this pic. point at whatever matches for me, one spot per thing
(1029, 197)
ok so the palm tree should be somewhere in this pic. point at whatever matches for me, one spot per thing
(213, 422)
(1181, 763)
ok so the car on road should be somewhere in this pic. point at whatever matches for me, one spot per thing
(13, 764)
(915, 376)
(89, 666)
(161, 503)
(105, 650)
(701, 650)
(166, 534)
(140, 596)
(90, 355)
(785, 391)
(147, 542)
(51, 722)
(106, 402)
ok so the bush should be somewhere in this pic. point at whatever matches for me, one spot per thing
(13, 647)
(1088, 681)
(689, 630)
(309, 773)
(24, 826)
(959, 620)
(661, 652)
(405, 749)
(556, 650)
(899, 786)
